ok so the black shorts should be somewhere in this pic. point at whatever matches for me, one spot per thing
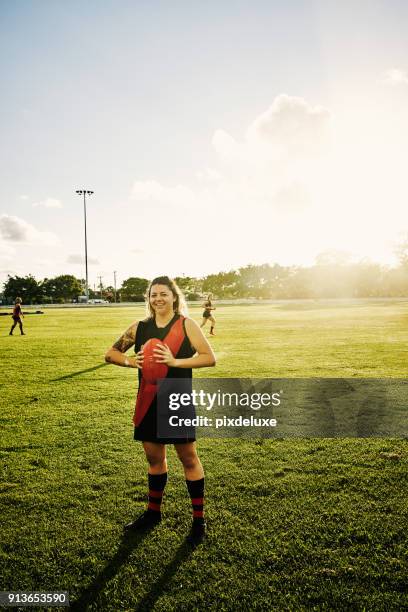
(206, 314)
(147, 430)
(138, 438)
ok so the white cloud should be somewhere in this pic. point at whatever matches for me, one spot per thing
(292, 125)
(273, 166)
(208, 175)
(289, 130)
(49, 203)
(80, 259)
(395, 76)
(6, 251)
(15, 229)
(297, 181)
(226, 147)
(153, 191)
(292, 197)
(7, 258)
(24, 197)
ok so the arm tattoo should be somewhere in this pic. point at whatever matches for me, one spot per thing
(125, 341)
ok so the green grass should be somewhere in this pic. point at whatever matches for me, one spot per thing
(293, 524)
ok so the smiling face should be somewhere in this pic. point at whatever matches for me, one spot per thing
(161, 300)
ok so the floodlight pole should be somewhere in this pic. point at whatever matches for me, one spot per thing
(85, 192)
(114, 276)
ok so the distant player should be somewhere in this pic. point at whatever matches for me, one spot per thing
(207, 316)
(17, 316)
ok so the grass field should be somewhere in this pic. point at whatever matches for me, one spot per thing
(293, 524)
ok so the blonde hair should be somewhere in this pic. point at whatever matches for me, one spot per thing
(179, 305)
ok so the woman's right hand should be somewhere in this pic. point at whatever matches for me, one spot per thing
(138, 360)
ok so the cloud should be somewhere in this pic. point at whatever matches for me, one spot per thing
(6, 251)
(15, 229)
(24, 197)
(7, 258)
(275, 164)
(290, 120)
(292, 197)
(80, 259)
(153, 191)
(395, 76)
(289, 129)
(49, 203)
(208, 175)
(226, 147)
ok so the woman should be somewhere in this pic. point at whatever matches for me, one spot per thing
(165, 321)
(207, 316)
(17, 315)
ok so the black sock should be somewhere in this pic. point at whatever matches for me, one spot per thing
(157, 482)
(196, 491)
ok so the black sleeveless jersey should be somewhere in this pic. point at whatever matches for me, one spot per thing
(147, 430)
(148, 329)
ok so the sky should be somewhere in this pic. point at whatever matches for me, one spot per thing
(214, 135)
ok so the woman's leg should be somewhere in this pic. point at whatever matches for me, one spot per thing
(194, 473)
(157, 475)
(212, 326)
(204, 321)
(187, 454)
(156, 457)
(157, 479)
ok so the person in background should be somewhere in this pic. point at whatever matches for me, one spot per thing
(17, 316)
(207, 316)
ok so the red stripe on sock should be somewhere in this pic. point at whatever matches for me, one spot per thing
(197, 500)
(157, 494)
(198, 513)
(153, 506)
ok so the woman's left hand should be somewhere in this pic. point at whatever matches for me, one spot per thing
(164, 355)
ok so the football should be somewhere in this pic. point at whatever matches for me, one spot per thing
(152, 370)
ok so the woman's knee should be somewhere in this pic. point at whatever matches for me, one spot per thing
(189, 460)
(156, 461)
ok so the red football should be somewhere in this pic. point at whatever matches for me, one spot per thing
(152, 370)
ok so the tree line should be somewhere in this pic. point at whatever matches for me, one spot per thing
(325, 279)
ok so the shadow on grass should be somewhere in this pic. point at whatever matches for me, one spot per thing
(158, 587)
(101, 365)
(128, 545)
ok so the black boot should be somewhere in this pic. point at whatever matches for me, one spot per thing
(197, 533)
(146, 521)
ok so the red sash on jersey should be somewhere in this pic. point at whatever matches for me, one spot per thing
(148, 391)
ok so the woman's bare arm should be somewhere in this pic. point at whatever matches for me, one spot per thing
(116, 354)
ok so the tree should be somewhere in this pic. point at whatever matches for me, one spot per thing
(401, 251)
(189, 284)
(223, 284)
(25, 287)
(133, 289)
(62, 288)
